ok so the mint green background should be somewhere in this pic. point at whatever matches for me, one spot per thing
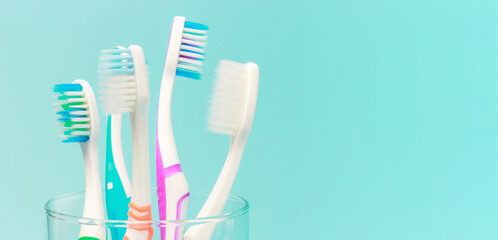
(375, 119)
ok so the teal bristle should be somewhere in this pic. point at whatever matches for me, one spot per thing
(196, 26)
(117, 61)
(67, 87)
(188, 74)
(76, 139)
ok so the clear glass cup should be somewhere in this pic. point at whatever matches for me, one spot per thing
(64, 218)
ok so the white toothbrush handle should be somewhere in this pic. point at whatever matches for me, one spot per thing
(141, 172)
(217, 198)
(172, 192)
(140, 206)
(172, 186)
(94, 204)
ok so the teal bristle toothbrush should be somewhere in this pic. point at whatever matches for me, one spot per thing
(78, 115)
(184, 58)
(125, 89)
(232, 112)
(117, 182)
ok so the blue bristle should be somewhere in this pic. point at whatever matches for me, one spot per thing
(115, 62)
(76, 139)
(66, 114)
(67, 87)
(187, 73)
(194, 25)
(186, 50)
(64, 118)
(70, 110)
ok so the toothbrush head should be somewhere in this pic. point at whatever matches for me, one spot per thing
(123, 79)
(186, 48)
(76, 111)
(234, 97)
(192, 51)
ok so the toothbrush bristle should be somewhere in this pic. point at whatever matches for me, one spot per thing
(72, 113)
(67, 87)
(229, 98)
(117, 83)
(192, 50)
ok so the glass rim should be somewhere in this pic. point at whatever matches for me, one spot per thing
(91, 221)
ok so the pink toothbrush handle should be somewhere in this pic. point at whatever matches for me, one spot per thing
(173, 194)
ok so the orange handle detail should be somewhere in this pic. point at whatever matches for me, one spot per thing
(138, 213)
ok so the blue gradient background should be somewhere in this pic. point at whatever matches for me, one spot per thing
(375, 119)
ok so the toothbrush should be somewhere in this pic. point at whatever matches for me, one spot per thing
(118, 187)
(79, 117)
(231, 113)
(125, 88)
(184, 58)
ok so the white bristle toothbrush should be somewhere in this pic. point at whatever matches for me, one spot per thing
(125, 89)
(184, 58)
(232, 112)
(117, 182)
(79, 117)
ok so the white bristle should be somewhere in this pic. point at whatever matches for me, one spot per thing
(194, 37)
(117, 81)
(187, 60)
(80, 119)
(204, 32)
(229, 98)
(75, 126)
(189, 67)
(191, 54)
(74, 100)
(195, 49)
(196, 43)
(74, 93)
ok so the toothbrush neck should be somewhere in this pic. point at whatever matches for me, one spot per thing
(93, 193)
(140, 186)
(165, 137)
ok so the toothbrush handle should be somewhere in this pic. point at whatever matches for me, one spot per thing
(139, 230)
(217, 198)
(140, 206)
(94, 205)
(117, 196)
(173, 194)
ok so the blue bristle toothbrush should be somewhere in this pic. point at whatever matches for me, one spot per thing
(184, 58)
(79, 118)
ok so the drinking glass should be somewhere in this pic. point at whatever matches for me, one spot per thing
(64, 218)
